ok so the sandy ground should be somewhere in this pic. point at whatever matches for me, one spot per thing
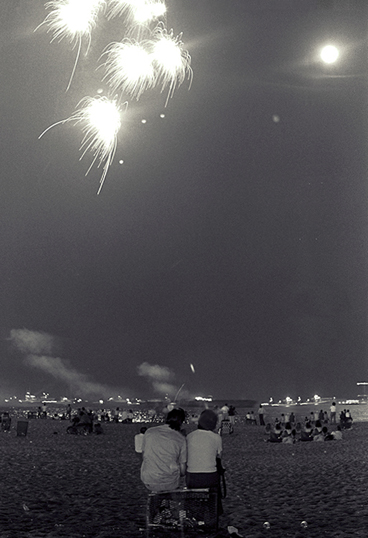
(53, 484)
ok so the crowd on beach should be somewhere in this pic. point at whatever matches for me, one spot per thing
(315, 427)
(179, 449)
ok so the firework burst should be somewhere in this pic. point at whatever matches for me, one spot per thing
(129, 68)
(73, 20)
(171, 60)
(100, 118)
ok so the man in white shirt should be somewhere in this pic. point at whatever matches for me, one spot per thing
(164, 454)
(333, 413)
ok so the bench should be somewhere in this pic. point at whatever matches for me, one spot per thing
(189, 509)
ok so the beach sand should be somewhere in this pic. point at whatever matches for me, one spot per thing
(57, 485)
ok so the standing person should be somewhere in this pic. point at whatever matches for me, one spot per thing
(232, 413)
(69, 411)
(164, 451)
(204, 455)
(138, 441)
(261, 415)
(333, 413)
(225, 412)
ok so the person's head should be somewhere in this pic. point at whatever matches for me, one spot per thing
(175, 418)
(143, 429)
(207, 420)
(324, 430)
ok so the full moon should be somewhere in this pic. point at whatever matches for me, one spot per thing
(329, 54)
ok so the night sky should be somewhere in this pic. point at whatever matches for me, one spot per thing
(234, 235)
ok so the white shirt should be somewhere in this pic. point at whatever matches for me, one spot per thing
(138, 441)
(203, 447)
(163, 450)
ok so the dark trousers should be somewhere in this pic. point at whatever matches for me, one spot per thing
(206, 480)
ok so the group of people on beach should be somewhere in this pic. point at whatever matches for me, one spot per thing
(290, 433)
(287, 429)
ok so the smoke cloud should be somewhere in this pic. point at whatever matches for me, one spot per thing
(159, 377)
(162, 380)
(155, 372)
(39, 347)
(35, 342)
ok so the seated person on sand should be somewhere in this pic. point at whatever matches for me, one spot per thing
(288, 435)
(318, 427)
(98, 428)
(306, 434)
(85, 420)
(320, 435)
(204, 448)
(298, 427)
(138, 440)
(275, 436)
(337, 435)
(164, 451)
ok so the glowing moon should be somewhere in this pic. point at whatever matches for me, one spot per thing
(329, 54)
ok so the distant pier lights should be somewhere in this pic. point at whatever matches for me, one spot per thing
(365, 385)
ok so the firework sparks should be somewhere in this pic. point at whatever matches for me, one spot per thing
(101, 122)
(73, 20)
(171, 60)
(129, 68)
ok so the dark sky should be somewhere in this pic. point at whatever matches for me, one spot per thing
(226, 239)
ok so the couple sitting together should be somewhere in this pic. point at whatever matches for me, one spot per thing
(168, 454)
